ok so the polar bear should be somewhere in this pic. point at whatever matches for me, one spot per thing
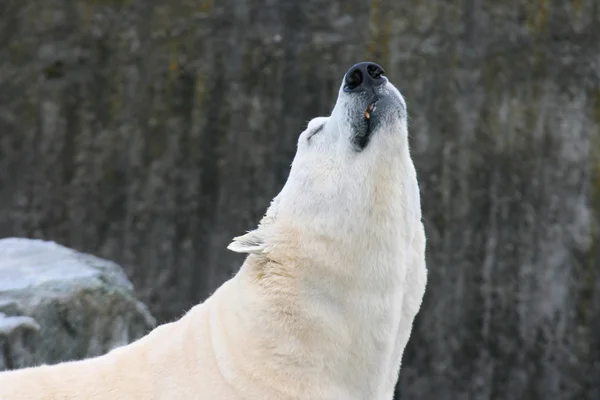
(323, 305)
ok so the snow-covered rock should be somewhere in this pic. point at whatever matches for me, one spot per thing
(57, 304)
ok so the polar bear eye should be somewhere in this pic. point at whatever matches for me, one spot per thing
(313, 133)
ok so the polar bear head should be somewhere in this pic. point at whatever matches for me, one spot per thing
(350, 171)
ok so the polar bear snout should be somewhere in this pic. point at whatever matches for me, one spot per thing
(368, 102)
(364, 76)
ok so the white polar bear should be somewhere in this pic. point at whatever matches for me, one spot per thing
(322, 307)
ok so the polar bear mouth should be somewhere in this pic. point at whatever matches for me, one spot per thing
(370, 110)
(365, 129)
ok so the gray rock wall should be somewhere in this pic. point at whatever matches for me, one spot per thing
(57, 304)
(151, 133)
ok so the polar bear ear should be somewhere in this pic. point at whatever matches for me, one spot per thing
(252, 242)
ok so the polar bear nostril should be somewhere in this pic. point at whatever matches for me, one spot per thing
(354, 78)
(375, 71)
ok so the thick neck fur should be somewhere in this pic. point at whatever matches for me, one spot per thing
(321, 302)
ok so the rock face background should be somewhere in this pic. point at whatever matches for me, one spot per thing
(57, 304)
(152, 133)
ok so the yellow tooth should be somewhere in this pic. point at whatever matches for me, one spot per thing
(367, 115)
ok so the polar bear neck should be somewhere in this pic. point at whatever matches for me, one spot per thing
(316, 306)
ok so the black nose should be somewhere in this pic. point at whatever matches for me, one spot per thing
(363, 76)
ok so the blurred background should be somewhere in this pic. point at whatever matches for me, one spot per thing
(151, 132)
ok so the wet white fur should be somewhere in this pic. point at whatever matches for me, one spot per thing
(322, 308)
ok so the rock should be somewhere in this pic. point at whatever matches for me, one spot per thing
(57, 304)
